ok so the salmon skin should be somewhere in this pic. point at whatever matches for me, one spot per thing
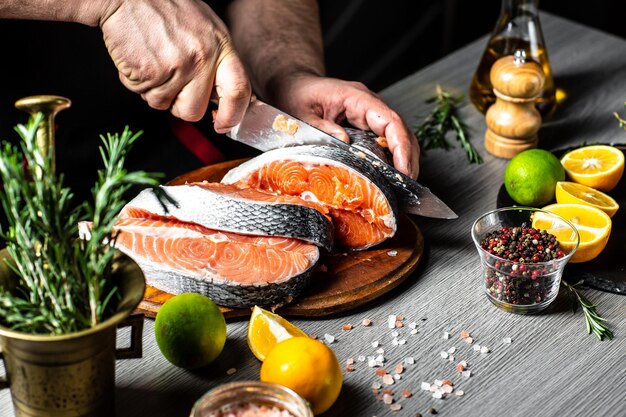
(233, 270)
(237, 209)
(359, 199)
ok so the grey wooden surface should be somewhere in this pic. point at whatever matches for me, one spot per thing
(551, 368)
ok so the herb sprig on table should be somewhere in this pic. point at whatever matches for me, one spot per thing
(595, 323)
(63, 280)
(442, 120)
(622, 122)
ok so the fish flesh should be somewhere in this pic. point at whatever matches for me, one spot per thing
(357, 197)
(237, 209)
(233, 270)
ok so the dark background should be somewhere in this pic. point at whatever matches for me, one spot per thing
(375, 42)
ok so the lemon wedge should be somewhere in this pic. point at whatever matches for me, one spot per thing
(593, 225)
(571, 192)
(266, 330)
(597, 166)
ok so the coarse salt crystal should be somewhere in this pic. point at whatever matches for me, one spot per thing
(349, 361)
(477, 347)
(443, 354)
(349, 368)
(437, 394)
(361, 358)
(375, 344)
(451, 358)
(447, 389)
(469, 340)
(452, 350)
(414, 331)
(464, 334)
(406, 393)
(397, 377)
(388, 379)
(231, 371)
(392, 253)
(376, 385)
(372, 363)
(380, 358)
(395, 334)
(399, 368)
(366, 322)
(466, 374)
(438, 382)
(329, 338)
(395, 407)
(425, 386)
(399, 324)
(387, 399)
(460, 393)
(391, 322)
(434, 388)
(401, 341)
(394, 342)
(507, 340)
(463, 363)
(346, 327)
(380, 351)
(409, 360)
(412, 325)
(484, 349)
(446, 335)
(381, 372)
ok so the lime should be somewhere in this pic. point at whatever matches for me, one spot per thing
(530, 177)
(190, 330)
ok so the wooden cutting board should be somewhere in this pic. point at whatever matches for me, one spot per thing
(341, 282)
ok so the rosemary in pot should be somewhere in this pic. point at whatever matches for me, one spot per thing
(63, 280)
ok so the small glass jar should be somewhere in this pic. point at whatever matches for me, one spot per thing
(243, 393)
(523, 287)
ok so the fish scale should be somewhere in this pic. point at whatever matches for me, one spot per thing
(216, 211)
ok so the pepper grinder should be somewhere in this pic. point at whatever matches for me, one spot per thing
(513, 121)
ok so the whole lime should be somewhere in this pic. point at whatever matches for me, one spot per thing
(530, 177)
(190, 330)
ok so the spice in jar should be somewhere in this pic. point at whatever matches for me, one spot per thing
(520, 271)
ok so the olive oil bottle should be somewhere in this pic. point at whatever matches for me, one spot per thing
(517, 28)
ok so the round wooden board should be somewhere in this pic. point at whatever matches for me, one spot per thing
(342, 281)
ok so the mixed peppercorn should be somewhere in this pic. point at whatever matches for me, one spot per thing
(517, 274)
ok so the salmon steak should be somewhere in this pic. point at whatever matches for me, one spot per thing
(233, 270)
(352, 192)
(237, 209)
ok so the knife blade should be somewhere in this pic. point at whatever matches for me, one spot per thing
(265, 127)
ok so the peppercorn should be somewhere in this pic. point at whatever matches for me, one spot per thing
(522, 273)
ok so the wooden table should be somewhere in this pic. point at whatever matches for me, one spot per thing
(551, 368)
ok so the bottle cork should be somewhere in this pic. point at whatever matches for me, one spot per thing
(513, 121)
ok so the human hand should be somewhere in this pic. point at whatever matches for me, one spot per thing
(174, 53)
(325, 102)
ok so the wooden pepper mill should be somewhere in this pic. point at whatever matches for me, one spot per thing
(513, 121)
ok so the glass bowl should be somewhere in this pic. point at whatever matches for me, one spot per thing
(237, 395)
(521, 285)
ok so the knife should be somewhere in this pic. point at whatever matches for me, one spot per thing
(265, 128)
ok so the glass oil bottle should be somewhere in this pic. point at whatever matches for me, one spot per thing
(517, 28)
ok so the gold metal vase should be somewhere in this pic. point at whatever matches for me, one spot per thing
(71, 375)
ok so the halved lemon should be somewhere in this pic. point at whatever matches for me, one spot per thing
(571, 192)
(593, 225)
(266, 330)
(597, 166)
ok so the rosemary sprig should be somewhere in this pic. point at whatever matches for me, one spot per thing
(443, 119)
(594, 322)
(63, 280)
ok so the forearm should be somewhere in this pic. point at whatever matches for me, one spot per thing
(88, 12)
(277, 40)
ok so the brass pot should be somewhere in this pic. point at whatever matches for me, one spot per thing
(71, 375)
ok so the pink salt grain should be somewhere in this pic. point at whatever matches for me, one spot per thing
(346, 327)
(388, 379)
(251, 410)
(366, 322)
